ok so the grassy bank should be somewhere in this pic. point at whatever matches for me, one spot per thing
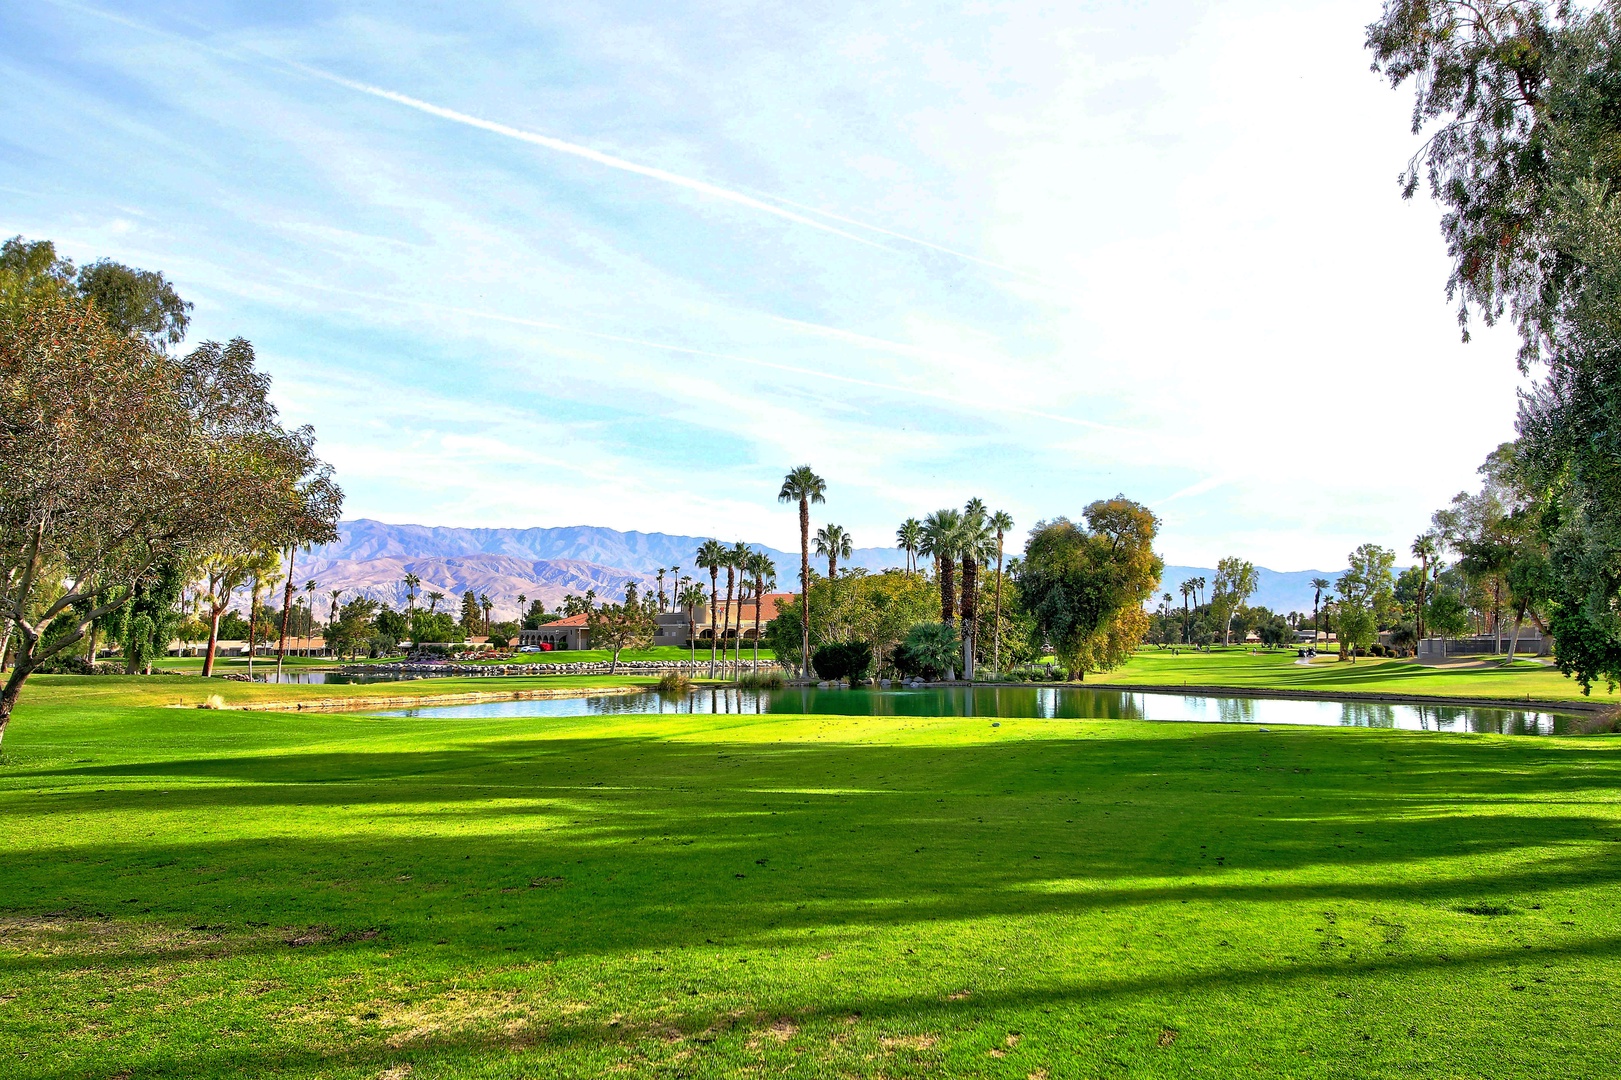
(1238, 668)
(186, 893)
(55, 692)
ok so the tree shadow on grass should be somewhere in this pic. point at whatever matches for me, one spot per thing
(595, 845)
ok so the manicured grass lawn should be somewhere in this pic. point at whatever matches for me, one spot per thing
(187, 893)
(1279, 671)
(168, 690)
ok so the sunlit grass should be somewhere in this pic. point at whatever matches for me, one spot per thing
(186, 893)
(1279, 670)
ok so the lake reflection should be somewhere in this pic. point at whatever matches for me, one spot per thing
(1011, 702)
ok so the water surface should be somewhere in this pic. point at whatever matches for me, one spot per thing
(1047, 703)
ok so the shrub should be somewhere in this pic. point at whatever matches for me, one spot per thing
(760, 680)
(674, 682)
(843, 660)
(929, 651)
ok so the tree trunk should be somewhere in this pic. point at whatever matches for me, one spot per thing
(726, 617)
(996, 629)
(5, 646)
(253, 622)
(1514, 640)
(804, 587)
(759, 593)
(613, 666)
(213, 640)
(8, 696)
(286, 610)
(970, 615)
(714, 592)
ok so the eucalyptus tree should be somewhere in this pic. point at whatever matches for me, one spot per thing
(1519, 104)
(1085, 585)
(116, 458)
(1236, 582)
(711, 555)
(833, 543)
(804, 487)
(909, 537)
(1002, 522)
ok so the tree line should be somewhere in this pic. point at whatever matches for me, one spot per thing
(1522, 111)
(129, 468)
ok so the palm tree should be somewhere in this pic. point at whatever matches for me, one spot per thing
(433, 601)
(940, 543)
(411, 583)
(908, 538)
(833, 542)
(1425, 547)
(1187, 616)
(804, 487)
(661, 588)
(1318, 584)
(1002, 522)
(333, 619)
(975, 541)
(309, 601)
(1198, 585)
(485, 605)
(711, 556)
(765, 576)
(691, 595)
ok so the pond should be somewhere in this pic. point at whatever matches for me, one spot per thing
(1049, 703)
(328, 678)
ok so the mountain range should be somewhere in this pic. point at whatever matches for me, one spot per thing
(371, 558)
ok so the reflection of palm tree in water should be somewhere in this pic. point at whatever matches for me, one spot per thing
(1236, 710)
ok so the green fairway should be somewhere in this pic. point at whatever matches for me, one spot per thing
(191, 893)
(1239, 668)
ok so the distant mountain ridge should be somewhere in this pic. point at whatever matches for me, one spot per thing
(371, 558)
(636, 552)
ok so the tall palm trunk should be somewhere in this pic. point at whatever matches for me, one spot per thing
(714, 594)
(945, 569)
(286, 611)
(726, 619)
(996, 630)
(759, 595)
(253, 622)
(804, 587)
(970, 614)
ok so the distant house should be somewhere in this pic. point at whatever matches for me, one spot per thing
(673, 626)
(569, 633)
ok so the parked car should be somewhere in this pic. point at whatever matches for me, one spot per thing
(530, 648)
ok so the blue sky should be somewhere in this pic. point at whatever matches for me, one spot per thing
(625, 264)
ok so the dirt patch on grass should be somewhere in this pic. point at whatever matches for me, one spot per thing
(298, 938)
(908, 1042)
(74, 934)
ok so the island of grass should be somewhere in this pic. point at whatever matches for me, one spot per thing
(1282, 671)
(195, 893)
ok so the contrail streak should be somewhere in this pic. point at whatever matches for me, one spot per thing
(703, 187)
